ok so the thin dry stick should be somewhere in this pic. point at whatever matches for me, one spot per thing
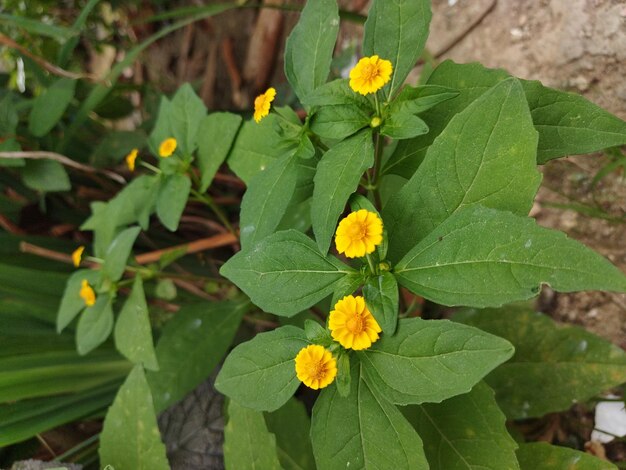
(216, 241)
(41, 155)
(53, 69)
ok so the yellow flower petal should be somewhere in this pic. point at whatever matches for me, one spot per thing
(262, 104)
(370, 74)
(167, 147)
(130, 159)
(352, 325)
(315, 366)
(87, 293)
(77, 255)
(359, 234)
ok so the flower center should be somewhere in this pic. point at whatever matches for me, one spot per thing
(356, 324)
(317, 370)
(357, 231)
(369, 72)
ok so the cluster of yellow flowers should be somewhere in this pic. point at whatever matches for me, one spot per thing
(166, 149)
(369, 75)
(351, 323)
(86, 291)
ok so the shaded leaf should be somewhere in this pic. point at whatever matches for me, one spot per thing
(216, 134)
(553, 366)
(71, 302)
(172, 199)
(45, 175)
(50, 106)
(536, 455)
(118, 252)
(382, 298)
(94, 325)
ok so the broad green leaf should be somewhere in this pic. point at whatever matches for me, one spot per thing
(11, 145)
(285, 273)
(94, 325)
(416, 100)
(133, 332)
(45, 175)
(569, 124)
(465, 432)
(191, 345)
(118, 252)
(185, 114)
(338, 175)
(344, 378)
(130, 438)
(256, 146)
(261, 373)
(486, 155)
(248, 445)
(50, 106)
(338, 92)
(71, 302)
(339, 121)
(348, 285)
(553, 366)
(397, 31)
(470, 81)
(266, 200)
(541, 455)
(216, 134)
(403, 125)
(305, 149)
(291, 425)
(27, 418)
(382, 297)
(362, 430)
(482, 257)
(172, 200)
(162, 128)
(443, 359)
(309, 48)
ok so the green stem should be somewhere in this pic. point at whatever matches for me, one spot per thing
(378, 157)
(215, 208)
(150, 167)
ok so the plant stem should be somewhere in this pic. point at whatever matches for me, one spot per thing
(215, 208)
(378, 156)
(150, 167)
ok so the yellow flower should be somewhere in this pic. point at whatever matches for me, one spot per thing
(262, 104)
(77, 254)
(87, 293)
(352, 324)
(316, 367)
(167, 147)
(131, 157)
(370, 74)
(359, 233)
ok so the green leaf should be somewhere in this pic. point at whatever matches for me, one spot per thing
(316, 333)
(186, 111)
(50, 106)
(256, 146)
(338, 175)
(486, 155)
(216, 134)
(162, 128)
(115, 145)
(471, 81)
(403, 125)
(45, 175)
(266, 200)
(291, 425)
(338, 92)
(261, 373)
(553, 366)
(59, 33)
(362, 430)
(172, 199)
(130, 438)
(416, 100)
(11, 145)
(382, 297)
(444, 360)
(191, 345)
(305, 149)
(339, 121)
(133, 333)
(71, 302)
(8, 116)
(285, 273)
(347, 285)
(344, 378)
(248, 445)
(465, 432)
(309, 48)
(118, 252)
(541, 455)
(482, 257)
(569, 124)
(94, 325)
(397, 31)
